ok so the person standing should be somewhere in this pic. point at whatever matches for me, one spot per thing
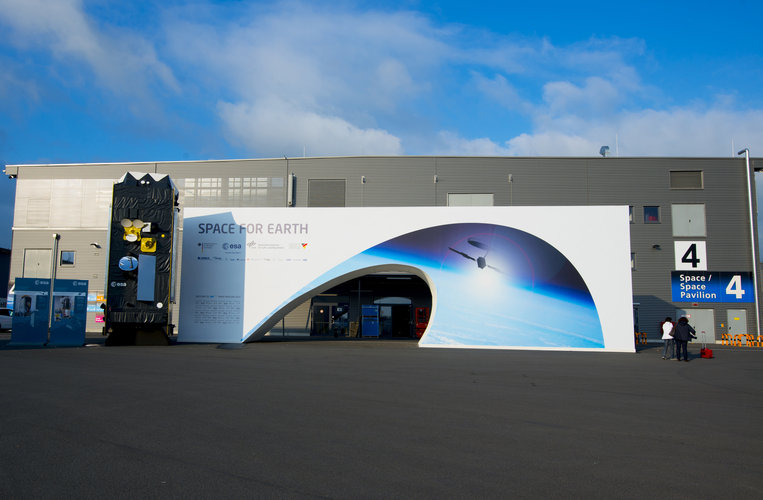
(667, 337)
(682, 333)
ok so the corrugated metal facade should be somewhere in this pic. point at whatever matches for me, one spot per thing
(70, 200)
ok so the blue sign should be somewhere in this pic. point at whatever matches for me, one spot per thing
(30, 311)
(69, 313)
(710, 286)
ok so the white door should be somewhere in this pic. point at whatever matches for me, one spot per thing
(703, 321)
(36, 263)
(737, 321)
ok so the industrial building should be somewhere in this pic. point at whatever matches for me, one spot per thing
(692, 219)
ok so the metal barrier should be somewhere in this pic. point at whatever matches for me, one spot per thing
(741, 340)
(738, 340)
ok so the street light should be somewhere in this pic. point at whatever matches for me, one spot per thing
(746, 153)
(53, 265)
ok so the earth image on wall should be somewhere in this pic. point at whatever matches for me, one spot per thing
(492, 286)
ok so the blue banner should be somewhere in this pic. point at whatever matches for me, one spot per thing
(711, 286)
(69, 313)
(30, 313)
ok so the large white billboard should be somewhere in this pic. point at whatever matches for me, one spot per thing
(554, 278)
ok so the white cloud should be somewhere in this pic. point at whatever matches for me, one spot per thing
(691, 132)
(311, 57)
(120, 60)
(281, 72)
(284, 76)
(276, 128)
(603, 101)
(672, 132)
(596, 97)
(501, 91)
(551, 144)
(451, 143)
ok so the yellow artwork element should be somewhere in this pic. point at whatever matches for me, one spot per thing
(132, 233)
(148, 245)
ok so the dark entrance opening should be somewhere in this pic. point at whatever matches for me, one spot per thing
(379, 305)
(395, 321)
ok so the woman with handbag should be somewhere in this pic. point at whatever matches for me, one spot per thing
(667, 337)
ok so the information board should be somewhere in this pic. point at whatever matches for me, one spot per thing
(31, 307)
(69, 313)
(712, 286)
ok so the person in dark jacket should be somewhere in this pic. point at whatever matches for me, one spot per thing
(682, 333)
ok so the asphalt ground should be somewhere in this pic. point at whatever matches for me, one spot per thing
(377, 419)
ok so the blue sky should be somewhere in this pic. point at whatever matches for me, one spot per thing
(102, 80)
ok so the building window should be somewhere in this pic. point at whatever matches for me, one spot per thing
(67, 258)
(470, 199)
(209, 187)
(688, 220)
(203, 191)
(651, 215)
(248, 191)
(686, 179)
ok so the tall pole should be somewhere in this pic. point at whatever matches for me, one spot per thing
(748, 175)
(53, 266)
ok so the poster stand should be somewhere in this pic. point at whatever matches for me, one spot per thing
(69, 313)
(30, 314)
(32, 307)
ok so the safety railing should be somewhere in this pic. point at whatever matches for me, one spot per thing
(729, 339)
(742, 340)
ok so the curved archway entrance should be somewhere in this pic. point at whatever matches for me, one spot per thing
(390, 301)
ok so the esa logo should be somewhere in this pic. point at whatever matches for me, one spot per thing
(115, 284)
(232, 246)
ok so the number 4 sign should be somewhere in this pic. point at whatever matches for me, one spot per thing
(691, 255)
(735, 287)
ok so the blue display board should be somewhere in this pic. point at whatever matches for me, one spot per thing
(711, 286)
(30, 314)
(69, 313)
(370, 320)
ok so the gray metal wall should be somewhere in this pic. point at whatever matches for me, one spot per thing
(427, 181)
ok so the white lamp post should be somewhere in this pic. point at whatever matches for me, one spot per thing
(748, 174)
(53, 268)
